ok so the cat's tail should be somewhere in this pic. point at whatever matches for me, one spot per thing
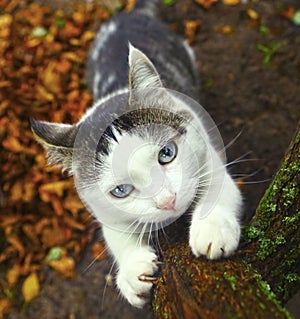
(149, 7)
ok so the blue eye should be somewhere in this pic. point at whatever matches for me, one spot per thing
(122, 191)
(167, 153)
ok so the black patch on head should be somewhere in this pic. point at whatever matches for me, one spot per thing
(140, 117)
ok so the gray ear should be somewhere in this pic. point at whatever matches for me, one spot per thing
(142, 73)
(58, 139)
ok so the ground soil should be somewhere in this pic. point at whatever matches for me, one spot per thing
(244, 96)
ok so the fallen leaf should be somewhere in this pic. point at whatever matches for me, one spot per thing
(51, 79)
(4, 307)
(252, 14)
(206, 3)
(98, 250)
(231, 2)
(73, 223)
(54, 253)
(52, 237)
(296, 18)
(226, 29)
(65, 266)
(13, 275)
(14, 241)
(12, 144)
(31, 287)
(56, 187)
(191, 27)
(289, 12)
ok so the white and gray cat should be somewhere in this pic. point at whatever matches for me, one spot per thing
(141, 156)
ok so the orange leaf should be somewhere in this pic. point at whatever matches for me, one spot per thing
(288, 12)
(56, 187)
(206, 3)
(98, 250)
(57, 206)
(16, 243)
(31, 287)
(191, 27)
(65, 266)
(4, 307)
(73, 204)
(231, 2)
(12, 144)
(52, 237)
(73, 223)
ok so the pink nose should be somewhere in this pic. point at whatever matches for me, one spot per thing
(169, 203)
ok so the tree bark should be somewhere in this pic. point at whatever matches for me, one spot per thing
(256, 280)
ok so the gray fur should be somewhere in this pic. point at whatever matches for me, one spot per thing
(108, 57)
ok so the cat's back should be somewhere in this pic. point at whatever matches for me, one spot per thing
(107, 68)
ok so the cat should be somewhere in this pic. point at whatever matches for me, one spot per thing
(141, 156)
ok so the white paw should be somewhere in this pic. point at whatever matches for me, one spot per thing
(214, 236)
(135, 274)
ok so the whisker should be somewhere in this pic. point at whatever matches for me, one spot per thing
(106, 284)
(103, 252)
(257, 182)
(228, 145)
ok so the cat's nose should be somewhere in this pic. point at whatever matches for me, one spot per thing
(169, 203)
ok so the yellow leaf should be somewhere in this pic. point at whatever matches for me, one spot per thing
(51, 79)
(13, 275)
(31, 287)
(231, 2)
(253, 14)
(57, 188)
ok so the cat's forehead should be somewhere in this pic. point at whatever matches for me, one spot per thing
(138, 146)
(129, 160)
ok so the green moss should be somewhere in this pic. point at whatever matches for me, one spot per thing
(289, 194)
(266, 290)
(292, 277)
(252, 232)
(231, 279)
(291, 219)
(268, 246)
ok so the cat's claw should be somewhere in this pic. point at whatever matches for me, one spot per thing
(147, 278)
(136, 276)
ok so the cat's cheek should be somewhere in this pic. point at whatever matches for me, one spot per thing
(214, 238)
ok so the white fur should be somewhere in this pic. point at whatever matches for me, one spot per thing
(134, 261)
(133, 159)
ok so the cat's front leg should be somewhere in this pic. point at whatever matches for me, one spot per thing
(137, 265)
(215, 228)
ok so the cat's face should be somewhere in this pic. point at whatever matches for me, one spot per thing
(150, 177)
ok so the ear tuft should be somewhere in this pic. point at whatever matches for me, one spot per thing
(58, 140)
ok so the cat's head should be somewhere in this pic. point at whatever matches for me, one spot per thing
(136, 156)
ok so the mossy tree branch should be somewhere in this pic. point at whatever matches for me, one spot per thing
(239, 287)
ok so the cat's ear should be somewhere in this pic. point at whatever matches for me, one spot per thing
(58, 140)
(142, 73)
